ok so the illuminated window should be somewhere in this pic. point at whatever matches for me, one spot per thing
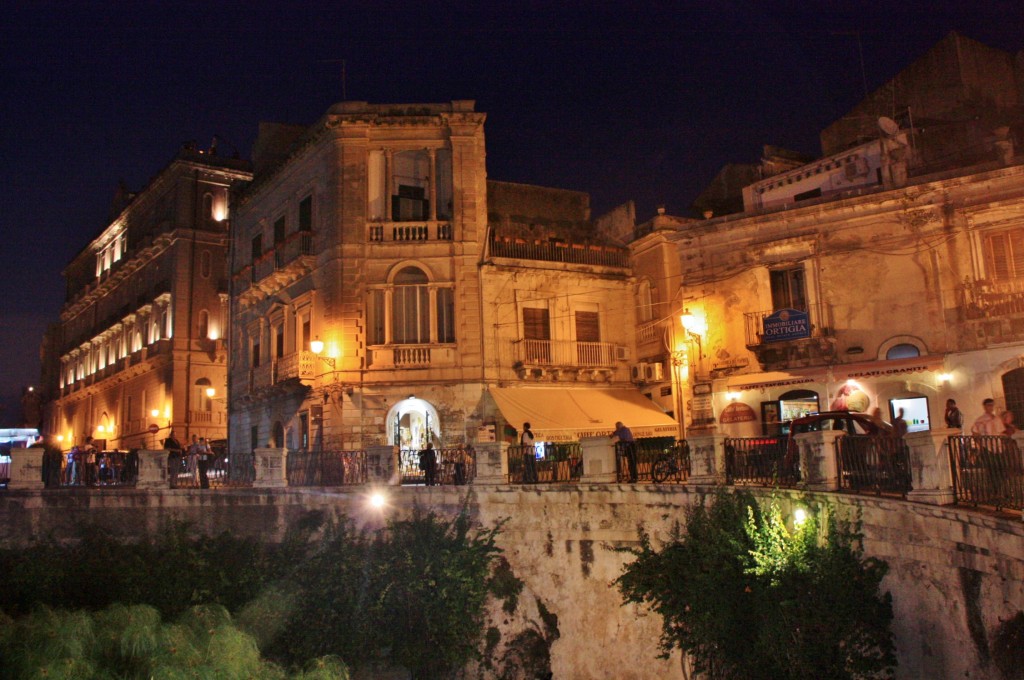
(413, 306)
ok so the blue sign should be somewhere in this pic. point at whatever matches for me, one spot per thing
(786, 324)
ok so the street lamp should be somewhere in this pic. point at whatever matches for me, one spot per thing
(317, 347)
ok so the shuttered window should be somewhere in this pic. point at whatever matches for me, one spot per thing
(535, 324)
(588, 328)
(1006, 255)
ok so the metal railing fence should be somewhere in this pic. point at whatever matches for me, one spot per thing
(987, 470)
(765, 461)
(79, 468)
(326, 468)
(557, 463)
(647, 453)
(879, 464)
(455, 465)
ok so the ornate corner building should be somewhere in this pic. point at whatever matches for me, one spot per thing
(140, 348)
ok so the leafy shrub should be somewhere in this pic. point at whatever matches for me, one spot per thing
(747, 598)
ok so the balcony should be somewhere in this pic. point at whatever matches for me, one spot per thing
(411, 356)
(818, 347)
(298, 366)
(560, 251)
(540, 358)
(289, 261)
(994, 311)
(409, 232)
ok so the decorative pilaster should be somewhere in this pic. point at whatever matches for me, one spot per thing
(931, 476)
(819, 468)
(152, 470)
(491, 463)
(598, 460)
(270, 468)
(26, 469)
(707, 460)
(382, 465)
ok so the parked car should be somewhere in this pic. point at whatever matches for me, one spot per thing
(850, 422)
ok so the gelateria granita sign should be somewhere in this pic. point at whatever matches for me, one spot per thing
(737, 413)
(786, 324)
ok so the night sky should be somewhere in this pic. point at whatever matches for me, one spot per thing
(625, 100)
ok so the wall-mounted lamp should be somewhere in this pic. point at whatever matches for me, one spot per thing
(317, 347)
(210, 392)
(732, 396)
(696, 327)
(155, 413)
(944, 378)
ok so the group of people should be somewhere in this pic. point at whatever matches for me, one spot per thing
(429, 464)
(196, 458)
(86, 465)
(988, 423)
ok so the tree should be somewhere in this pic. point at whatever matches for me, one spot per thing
(745, 597)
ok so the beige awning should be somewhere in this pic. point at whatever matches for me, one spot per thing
(567, 414)
(767, 379)
(888, 368)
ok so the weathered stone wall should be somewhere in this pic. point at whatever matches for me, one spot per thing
(954, 574)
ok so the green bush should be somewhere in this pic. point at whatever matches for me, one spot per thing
(746, 598)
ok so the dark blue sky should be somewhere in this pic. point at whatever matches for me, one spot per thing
(625, 100)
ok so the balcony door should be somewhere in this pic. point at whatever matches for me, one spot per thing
(789, 288)
(537, 335)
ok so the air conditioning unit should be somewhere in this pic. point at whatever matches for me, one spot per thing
(638, 372)
(654, 372)
(621, 353)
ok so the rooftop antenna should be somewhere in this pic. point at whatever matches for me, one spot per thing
(343, 62)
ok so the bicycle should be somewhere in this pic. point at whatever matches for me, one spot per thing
(667, 465)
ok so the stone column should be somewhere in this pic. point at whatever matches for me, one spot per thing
(598, 460)
(270, 468)
(26, 471)
(491, 463)
(819, 468)
(152, 470)
(932, 478)
(382, 465)
(707, 459)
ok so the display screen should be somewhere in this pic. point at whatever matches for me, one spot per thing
(915, 412)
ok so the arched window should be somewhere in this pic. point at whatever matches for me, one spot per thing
(903, 351)
(201, 398)
(204, 323)
(644, 310)
(410, 311)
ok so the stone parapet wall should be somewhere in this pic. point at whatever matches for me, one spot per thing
(954, 574)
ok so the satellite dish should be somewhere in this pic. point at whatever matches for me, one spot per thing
(888, 126)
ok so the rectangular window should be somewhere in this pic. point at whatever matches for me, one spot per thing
(445, 315)
(376, 178)
(375, 318)
(1006, 255)
(444, 184)
(253, 437)
(279, 341)
(537, 335)
(788, 289)
(255, 353)
(411, 319)
(279, 226)
(306, 214)
(304, 331)
(588, 340)
(257, 247)
(304, 430)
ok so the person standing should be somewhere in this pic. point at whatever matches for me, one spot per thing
(622, 437)
(528, 444)
(1009, 429)
(899, 425)
(988, 423)
(954, 417)
(428, 462)
(204, 463)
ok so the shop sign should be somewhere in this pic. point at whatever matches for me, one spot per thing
(737, 413)
(702, 388)
(786, 324)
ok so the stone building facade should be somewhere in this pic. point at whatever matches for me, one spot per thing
(899, 294)
(141, 339)
(385, 292)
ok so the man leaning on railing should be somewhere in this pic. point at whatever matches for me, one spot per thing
(622, 437)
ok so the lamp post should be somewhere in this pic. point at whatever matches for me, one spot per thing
(694, 328)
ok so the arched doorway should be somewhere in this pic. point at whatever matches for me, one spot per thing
(277, 440)
(412, 423)
(1013, 390)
